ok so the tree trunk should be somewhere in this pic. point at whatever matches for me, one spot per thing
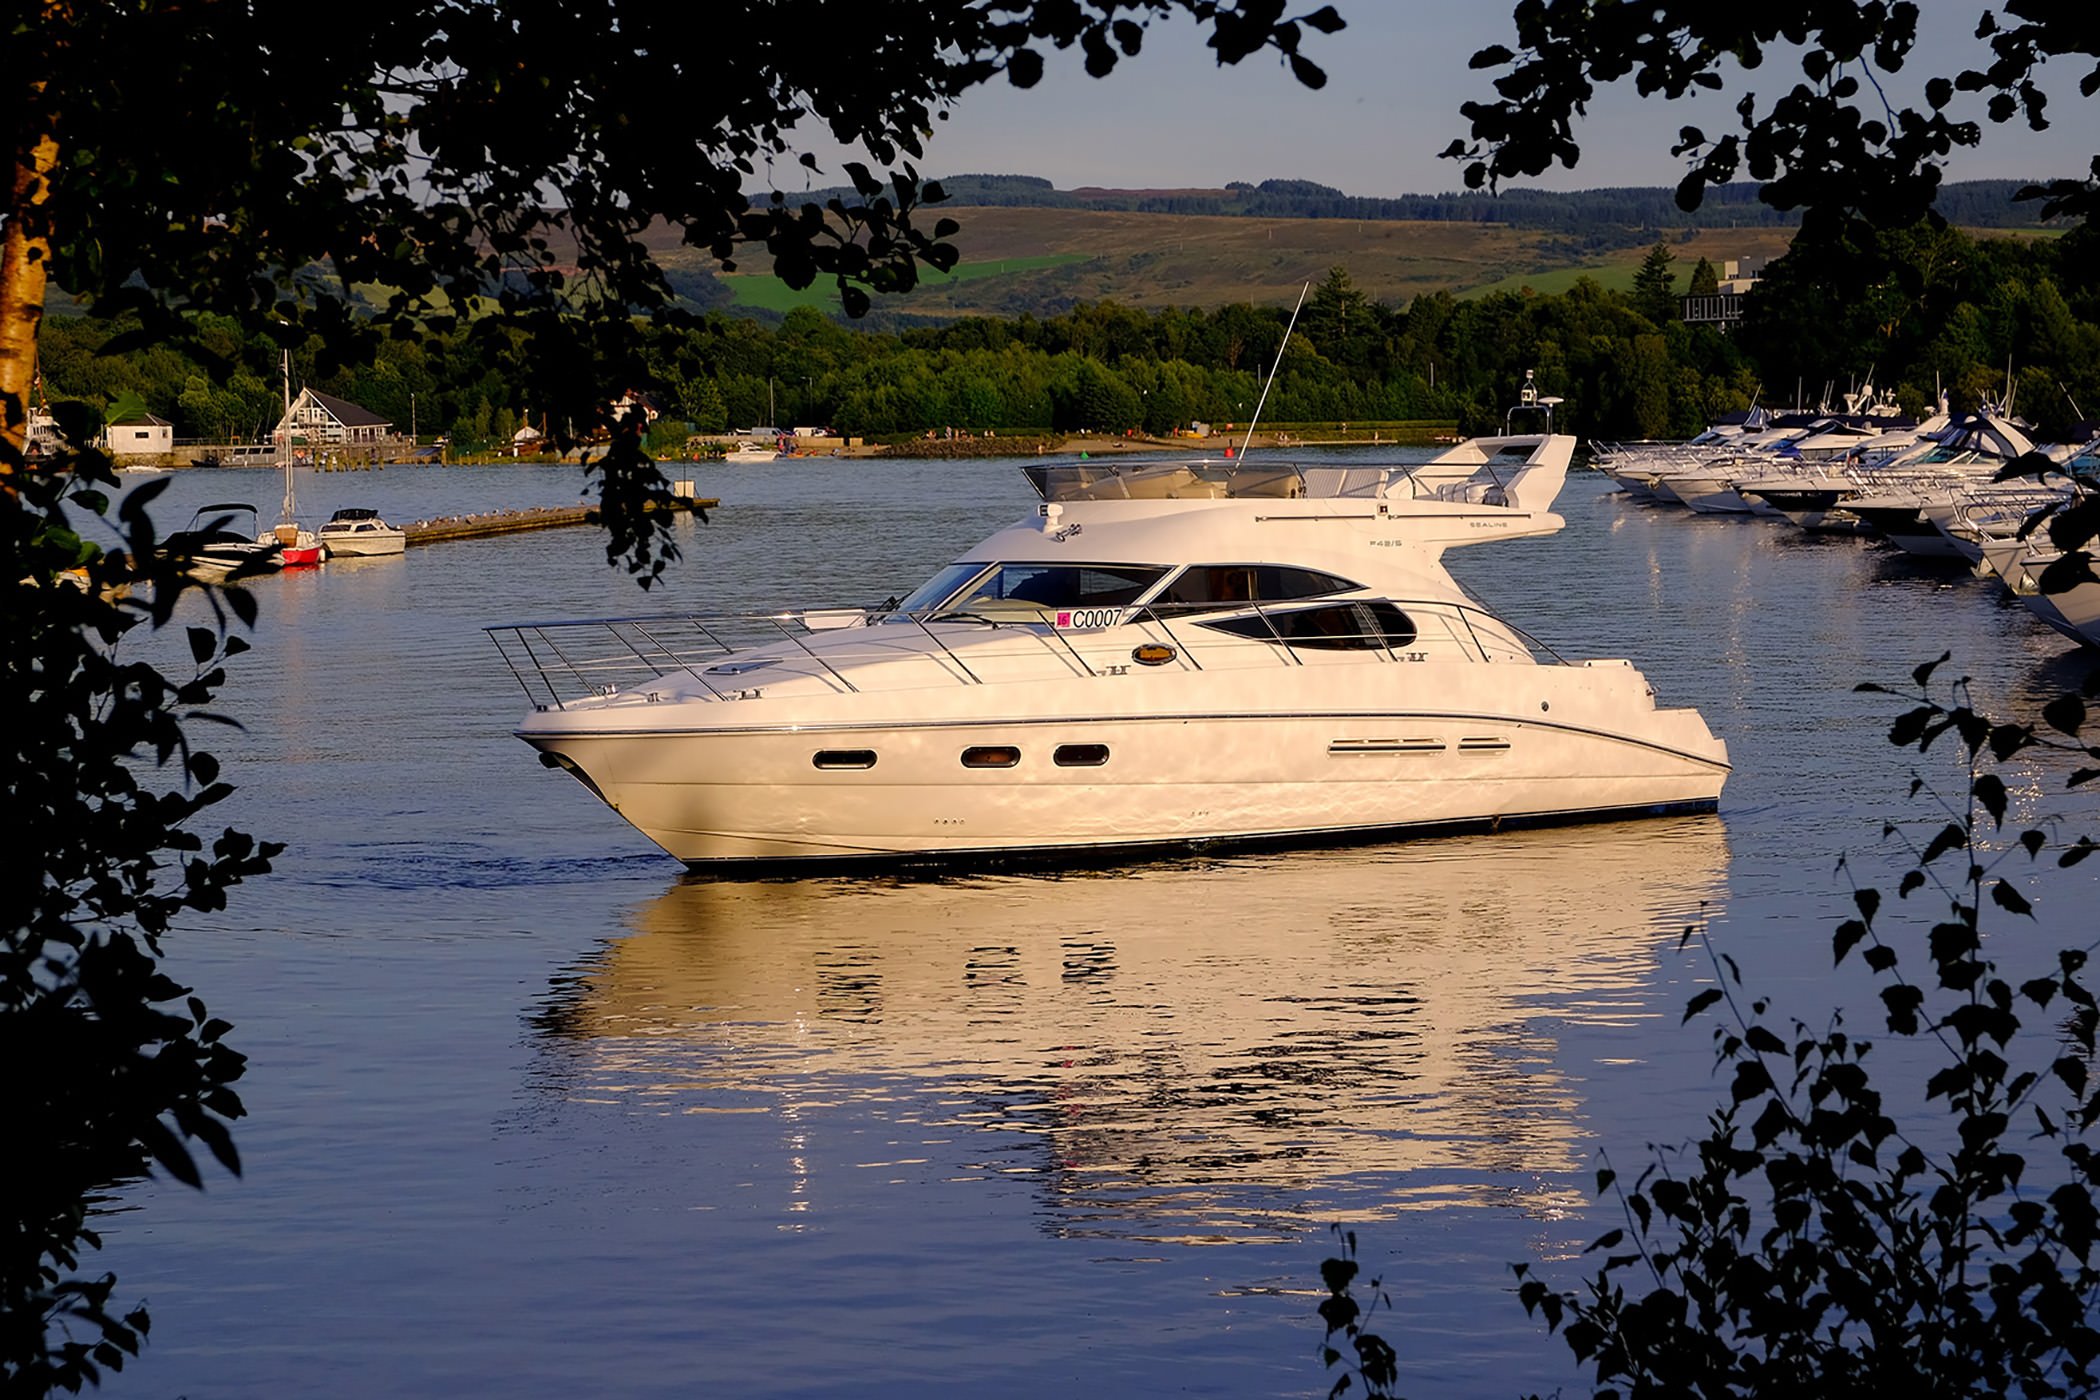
(25, 259)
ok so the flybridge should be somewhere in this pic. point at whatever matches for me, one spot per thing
(1522, 471)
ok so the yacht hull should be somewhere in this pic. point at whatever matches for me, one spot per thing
(375, 544)
(1313, 766)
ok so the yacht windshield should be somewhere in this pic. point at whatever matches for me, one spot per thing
(938, 589)
(974, 588)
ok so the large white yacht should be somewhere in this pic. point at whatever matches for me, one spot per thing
(1163, 655)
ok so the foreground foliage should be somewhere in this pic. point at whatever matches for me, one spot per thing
(1835, 141)
(1832, 1234)
(113, 1067)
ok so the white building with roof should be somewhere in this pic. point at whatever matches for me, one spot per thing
(145, 435)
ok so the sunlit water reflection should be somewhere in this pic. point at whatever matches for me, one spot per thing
(536, 1114)
(1195, 1053)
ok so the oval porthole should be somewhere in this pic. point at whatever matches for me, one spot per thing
(844, 758)
(1080, 755)
(991, 756)
(1153, 654)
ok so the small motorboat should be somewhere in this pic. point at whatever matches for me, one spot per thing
(211, 547)
(359, 531)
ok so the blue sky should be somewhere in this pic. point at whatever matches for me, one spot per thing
(1397, 74)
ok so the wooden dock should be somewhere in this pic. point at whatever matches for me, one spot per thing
(511, 522)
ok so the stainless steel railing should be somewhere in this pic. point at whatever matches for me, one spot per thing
(560, 663)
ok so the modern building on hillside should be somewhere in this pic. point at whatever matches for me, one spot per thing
(1725, 307)
(322, 419)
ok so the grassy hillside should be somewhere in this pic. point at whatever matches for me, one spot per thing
(1044, 261)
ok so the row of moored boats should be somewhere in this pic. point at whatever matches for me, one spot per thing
(222, 538)
(1935, 487)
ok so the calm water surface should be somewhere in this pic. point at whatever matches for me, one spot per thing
(535, 1114)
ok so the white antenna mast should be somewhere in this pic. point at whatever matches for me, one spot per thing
(1274, 369)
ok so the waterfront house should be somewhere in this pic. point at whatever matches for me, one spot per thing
(634, 401)
(317, 418)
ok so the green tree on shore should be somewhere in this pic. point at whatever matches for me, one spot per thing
(1654, 294)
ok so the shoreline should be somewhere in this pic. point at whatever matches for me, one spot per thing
(962, 448)
(1069, 444)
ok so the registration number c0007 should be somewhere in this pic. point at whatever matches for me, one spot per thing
(1089, 617)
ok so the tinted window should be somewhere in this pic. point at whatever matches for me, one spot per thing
(1081, 755)
(1210, 584)
(1061, 585)
(1372, 626)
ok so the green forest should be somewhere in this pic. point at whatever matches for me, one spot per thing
(1923, 310)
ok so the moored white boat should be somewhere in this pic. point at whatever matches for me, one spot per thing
(1172, 654)
(2020, 564)
(358, 531)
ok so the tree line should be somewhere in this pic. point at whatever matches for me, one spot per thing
(1920, 310)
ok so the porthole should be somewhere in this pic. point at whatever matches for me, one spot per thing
(844, 758)
(991, 756)
(1080, 755)
(1152, 654)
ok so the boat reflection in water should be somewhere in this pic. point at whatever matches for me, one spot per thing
(1197, 1051)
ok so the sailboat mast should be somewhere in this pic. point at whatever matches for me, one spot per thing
(1274, 369)
(284, 438)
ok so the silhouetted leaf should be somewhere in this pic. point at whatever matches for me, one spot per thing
(2066, 713)
(1848, 935)
(2010, 899)
(1951, 837)
(1989, 789)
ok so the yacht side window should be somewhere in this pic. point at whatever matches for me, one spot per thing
(1032, 590)
(1226, 585)
(1367, 626)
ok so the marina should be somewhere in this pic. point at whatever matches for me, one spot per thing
(534, 1112)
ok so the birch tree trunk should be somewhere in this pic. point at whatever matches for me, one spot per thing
(25, 258)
